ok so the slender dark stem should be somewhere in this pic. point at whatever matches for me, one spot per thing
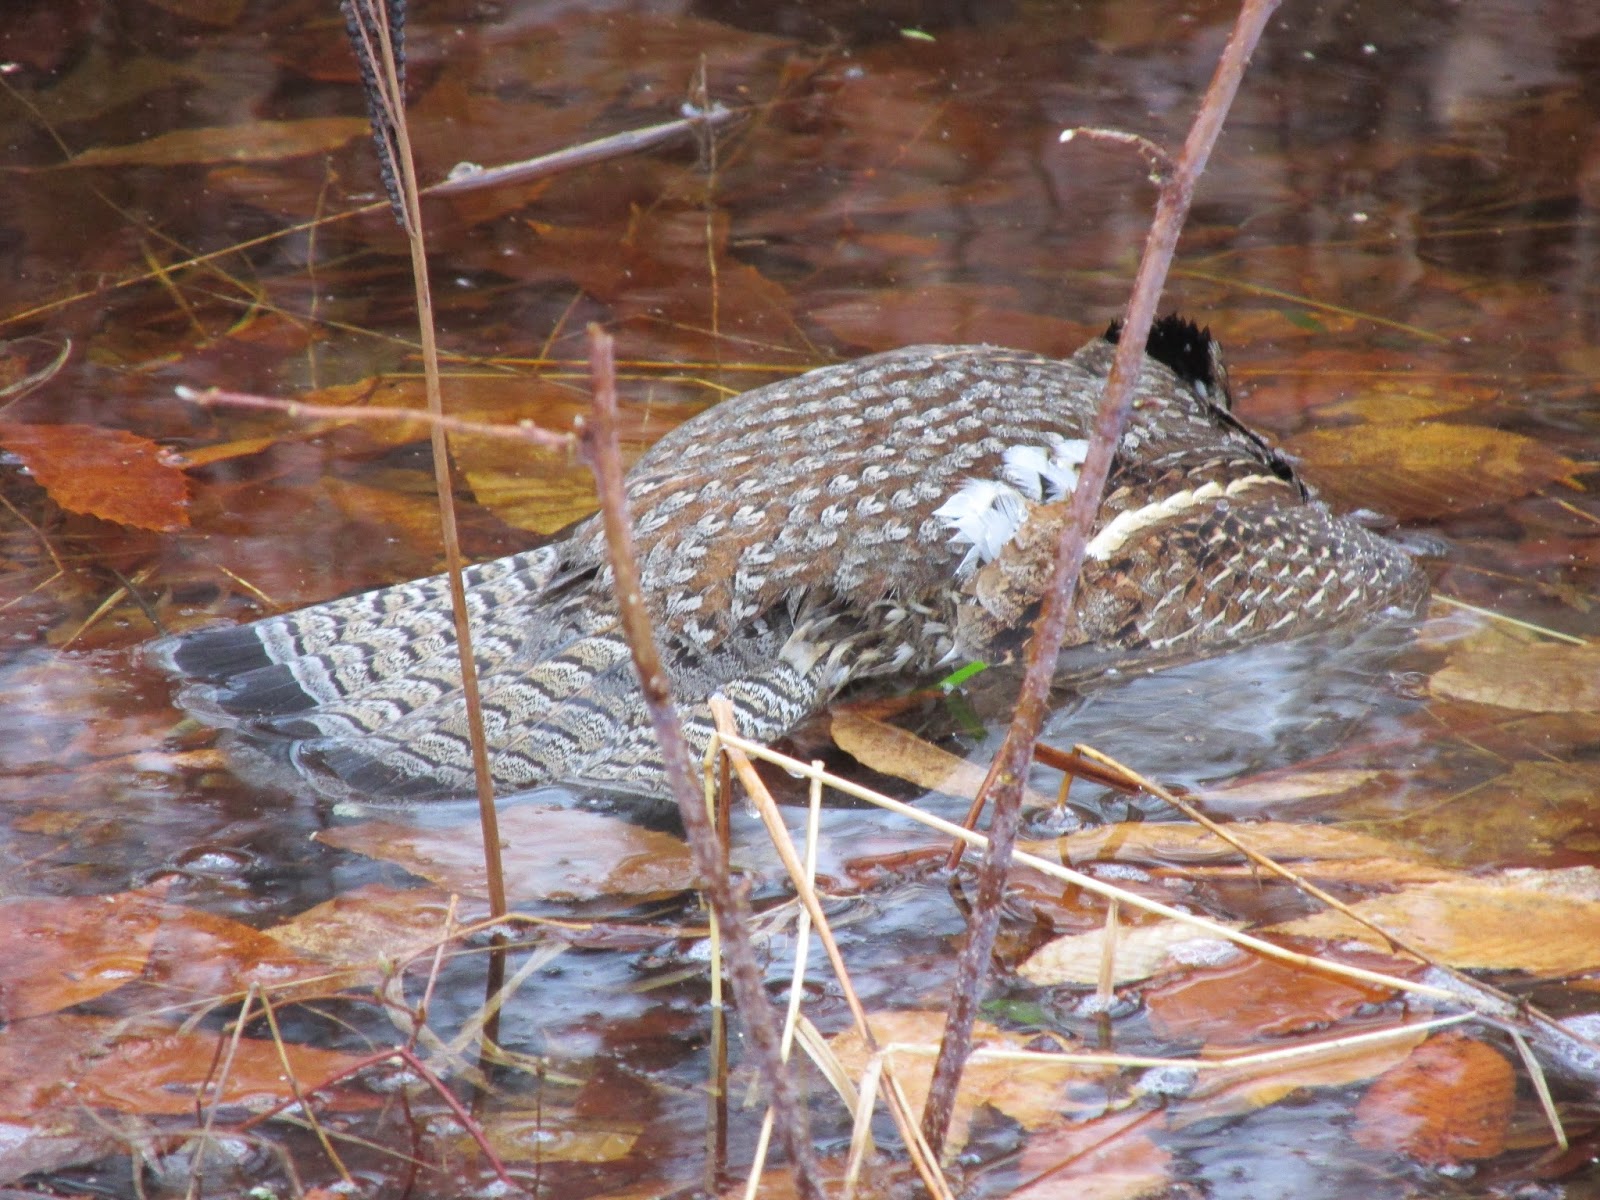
(389, 110)
(1017, 751)
(599, 447)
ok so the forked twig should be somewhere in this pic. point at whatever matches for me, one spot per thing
(1017, 750)
(599, 448)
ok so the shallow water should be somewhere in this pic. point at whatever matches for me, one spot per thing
(1397, 233)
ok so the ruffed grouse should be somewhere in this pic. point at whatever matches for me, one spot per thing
(888, 516)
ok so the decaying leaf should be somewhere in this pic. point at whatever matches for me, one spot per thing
(890, 750)
(1160, 842)
(250, 141)
(200, 956)
(1531, 813)
(1110, 1158)
(1251, 997)
(949, 312)
(1230, 1091)
(1448, 1102)
(541, 1135)
(548, 853)
(107, 473)
(1542, 677)
(57, 951)
(67, 1061)
(368, 925)
(1404, 401)
(1416, 471)
(1487, 924)
(1288, 787)
(1140, 951)
(533, 493)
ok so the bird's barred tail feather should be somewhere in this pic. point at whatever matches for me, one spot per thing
(363, 695)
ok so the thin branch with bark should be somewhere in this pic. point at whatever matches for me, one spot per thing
(1015, 754)
(599, 448)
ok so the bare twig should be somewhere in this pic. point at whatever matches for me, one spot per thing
(1160, 162)
(598, 438)
(523, 431)
(468, 177)
(1017, 750)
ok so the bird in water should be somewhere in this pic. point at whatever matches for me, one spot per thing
(895, 516)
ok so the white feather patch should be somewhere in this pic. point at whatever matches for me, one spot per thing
(1046, 473)
(983, 515)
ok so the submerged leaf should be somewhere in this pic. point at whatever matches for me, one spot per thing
(1415, 471)
(1251, 997)
(107, 473)
(548, 853)
(1508, 925)
(1449, 1102)
(1036, 1093)
(57, 951)
(251, 141)
(1545, 677)
(1140, 951)
(65, 1061)
(1104, 1159)
(1230, 1091)
(1160, 842)
(894, 751)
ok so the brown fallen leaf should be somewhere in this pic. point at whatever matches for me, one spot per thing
(249, 141)
(1430, 470)
(1450, 1101)
(548, 853)
(107, 473)
(1250, 998)
(1384, 874)
(57, 951)
(1534, 812)
(200, 956)
(1161, 842)
(656, 269)
(533, 494)
(540, 1135)
(63, 1061)
(1288, 787)
(373, 924)
(946, 312)
(1477, 925)
(890, 750)
(1543, 677)
(1140, 952)
(1104, 1159)
(1231, 1091)
(1404, 401)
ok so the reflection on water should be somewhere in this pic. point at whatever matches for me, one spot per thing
(1257, 710)
(1396, 236)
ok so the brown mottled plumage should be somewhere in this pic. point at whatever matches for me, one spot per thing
(887, 516)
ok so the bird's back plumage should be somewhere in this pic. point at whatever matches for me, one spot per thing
(884, 516)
